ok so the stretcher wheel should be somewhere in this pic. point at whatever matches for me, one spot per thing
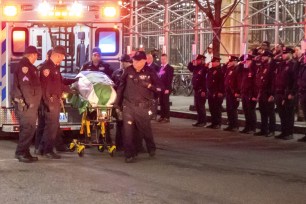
(111, 150)
(101, 148)
(72, 147)
(81, 153)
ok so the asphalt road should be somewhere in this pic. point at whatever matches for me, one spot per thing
(192, 165)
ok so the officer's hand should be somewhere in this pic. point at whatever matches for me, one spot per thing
(167, 92)
(220, 95)
(31, 105)
(290, 97)
(237, 95)
(21, 106)
(271, 99)
(51, 99)
(203, 94)
(254, 99)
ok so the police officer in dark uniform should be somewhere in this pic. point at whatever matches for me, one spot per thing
(215, 92)
(126, 62)
(96, 64)
(302, 89)
(156, 68)
(231, 78)
(265, 97)
(41, 117)
(134, 94)
(152, 64)
(52, 87)
(26, 95)
(285, 90)
(249, 94)
(199, 71)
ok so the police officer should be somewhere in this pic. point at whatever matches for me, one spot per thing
(165, 76)
(231, 78)
(199, 71)
(215, 92)
(302, 89)
(96, 63)
(248, 94)
(152, 64)
(134, 94)
(155, 68)
(126, 62)
(265, 95)
(26, 95)
(41, 117)
(52, 87)
(285, 90)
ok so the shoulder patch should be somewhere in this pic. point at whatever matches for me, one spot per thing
(25, 70)
(46, 72)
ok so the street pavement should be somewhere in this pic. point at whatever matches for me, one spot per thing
(192, 165)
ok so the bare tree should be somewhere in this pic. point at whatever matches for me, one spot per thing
(212, 9)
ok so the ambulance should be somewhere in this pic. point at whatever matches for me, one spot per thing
(77, 25)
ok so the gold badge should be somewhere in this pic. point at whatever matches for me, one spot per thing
(46, 72)
(25, 70)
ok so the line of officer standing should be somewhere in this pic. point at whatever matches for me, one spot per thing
(269, 79)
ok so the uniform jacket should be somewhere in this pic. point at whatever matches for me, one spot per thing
(264, 81)
(248, 83)
(26, 85)
(285, 78)
(133, 87)
(51, 81)
(154, 67)
(232, 77)
(198, 77)
(215, 80)
(102, 67)
(166, 76)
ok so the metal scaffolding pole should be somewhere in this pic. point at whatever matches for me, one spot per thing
(166, 48)
(136, 25)
(276, 38)
(244, 31)
(130, 27)
(196, 33)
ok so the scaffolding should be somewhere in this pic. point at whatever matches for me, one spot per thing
(180, 29)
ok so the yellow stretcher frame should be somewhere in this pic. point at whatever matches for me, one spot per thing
(104, 116)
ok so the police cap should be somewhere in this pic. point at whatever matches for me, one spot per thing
(267, 53)
(96, 50)
(200, 57)
(287, 50)
(140, 55)
(232, 58)
(31, 50)
(125, 58)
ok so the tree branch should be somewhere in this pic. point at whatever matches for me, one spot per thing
(205, 10)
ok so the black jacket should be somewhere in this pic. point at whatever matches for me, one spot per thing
(232, 77)
(102, 67)
(133, 87)
(285, 78)
(26, 85)
(198, 77)
(166, 77)
(215, 80)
